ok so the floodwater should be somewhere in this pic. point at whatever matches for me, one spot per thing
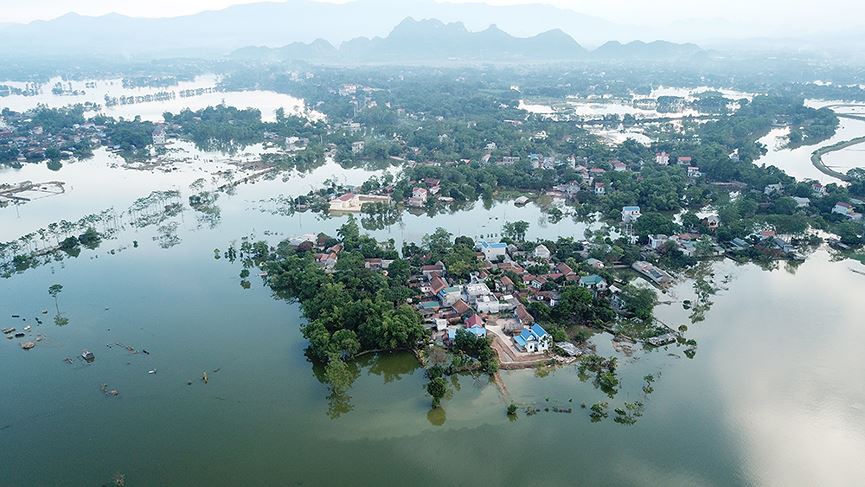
(773, 396)
(265, 101)
(797, 162)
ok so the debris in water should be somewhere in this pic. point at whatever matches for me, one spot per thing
(144, 351)
(67, 360)
(204, 377)
(16, 316)
(217, 370)
(151, 371)
(28, 345)
(19, 335)
(44, 311)
(109, 392)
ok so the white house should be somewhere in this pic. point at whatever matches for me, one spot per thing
(630, 214)
(493, 250)
(662, 158)
(487, 304)
(542, 252)
(594, 263)
(475, 290)
(533, 340)
(657, 241)
(357, 147)
(846, 209)
(418, 197)
(159, 136)
(450, 295)
(773, 188)
(694, 172)
(600, 188)
(346, 202)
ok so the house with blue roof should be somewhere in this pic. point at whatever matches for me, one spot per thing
(493, 250)
(630, 214)
(533, 340)
(479, 332)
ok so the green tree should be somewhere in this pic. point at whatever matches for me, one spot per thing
(515, 231)
(54, 291)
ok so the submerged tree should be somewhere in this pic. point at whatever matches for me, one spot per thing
(54, 291)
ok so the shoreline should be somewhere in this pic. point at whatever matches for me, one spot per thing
(817, 157)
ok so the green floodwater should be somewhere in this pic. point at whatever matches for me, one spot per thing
(774, 395)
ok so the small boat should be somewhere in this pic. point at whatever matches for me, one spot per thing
(7, 331)
(88, 356)
(27, 328)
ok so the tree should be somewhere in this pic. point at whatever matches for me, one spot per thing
(515, 230)
(437, 388)
(54, 290)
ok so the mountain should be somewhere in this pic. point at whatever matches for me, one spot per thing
(282, 23)
(413, 41)
(657, 50)
(432, 40)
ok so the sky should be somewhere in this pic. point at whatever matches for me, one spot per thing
(797, 14)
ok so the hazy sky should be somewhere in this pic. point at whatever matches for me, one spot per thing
(796, 13)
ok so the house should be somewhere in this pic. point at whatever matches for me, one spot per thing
(434, 185)
(509, 160)
(437, 284)
(684, 160)
(327, 261)
(533, 340)
(487, 303)
(435, 269)
(474, 321)
(593, 282)
(159, 135)
(565, 269)
(594, 263)
(460, 307)
(418, 197)
(600, 188)
(477, 331)
(773, 188)
(490, 147)
(536, 282)
(694, 172)
(357, 147)
(505, 285)
(662, 158)
(523, 316)
(542, 252)
(712, 222)
(450, 295)
(846, 209)
(657, 241)
(818, 190)
(619, 166)
(630, 214)
(475, 290)
(493, 250)
(296, 143)
(348, 202)
(656, 275)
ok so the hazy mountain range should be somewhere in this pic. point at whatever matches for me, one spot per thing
(283, 23)
(433, 40)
